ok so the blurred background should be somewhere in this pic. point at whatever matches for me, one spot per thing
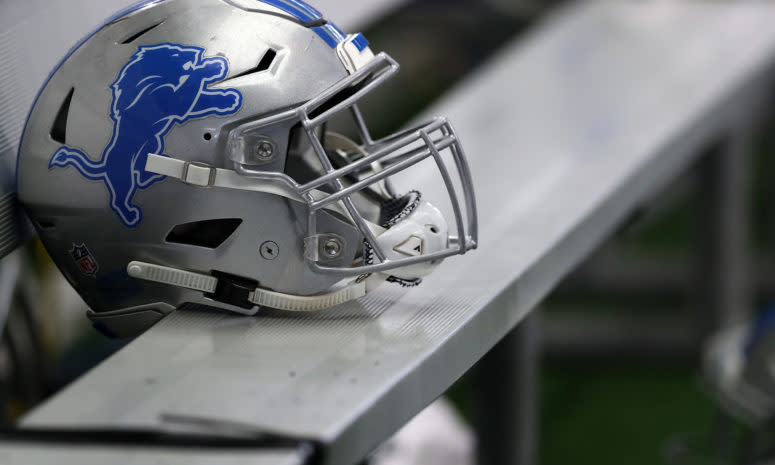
(622, 337)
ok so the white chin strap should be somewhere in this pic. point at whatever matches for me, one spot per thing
(260, 297)
(201, 175)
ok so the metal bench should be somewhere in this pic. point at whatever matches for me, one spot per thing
(568, 131)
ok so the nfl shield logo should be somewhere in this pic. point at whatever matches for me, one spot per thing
(84, 259)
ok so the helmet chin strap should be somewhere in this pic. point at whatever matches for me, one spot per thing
(259, 297)
(402, 234)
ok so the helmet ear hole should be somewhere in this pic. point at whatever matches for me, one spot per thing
(209, 233)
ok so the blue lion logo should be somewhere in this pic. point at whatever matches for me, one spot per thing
(161, 85)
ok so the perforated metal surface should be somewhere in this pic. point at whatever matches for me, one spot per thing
(568, 131)
(10, 223)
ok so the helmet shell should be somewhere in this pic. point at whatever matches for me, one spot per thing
(101, 112)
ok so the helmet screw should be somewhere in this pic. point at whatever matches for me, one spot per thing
(270, 250)
(264, 150)
(332, 248)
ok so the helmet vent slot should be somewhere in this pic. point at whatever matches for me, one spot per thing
(264, 64)
(339, 97)
(138, 34)
(266, 60)
(209, 233)
(59, 128)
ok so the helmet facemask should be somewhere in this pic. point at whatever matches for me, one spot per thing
(355, 179)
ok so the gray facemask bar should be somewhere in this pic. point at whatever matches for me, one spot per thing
(399, 149)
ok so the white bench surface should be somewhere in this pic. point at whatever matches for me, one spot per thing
(567, 130)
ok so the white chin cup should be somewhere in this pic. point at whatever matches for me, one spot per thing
(423, 232)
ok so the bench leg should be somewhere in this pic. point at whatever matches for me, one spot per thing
(505, 398)
(724, 214)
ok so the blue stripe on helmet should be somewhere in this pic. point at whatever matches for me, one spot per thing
(302, 11)
(331, 34)
(336, 32)
(325, 34)
(307, 7)
(295, 10)
(360, 41)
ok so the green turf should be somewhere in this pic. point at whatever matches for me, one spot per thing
(612, 412)
(617, 413)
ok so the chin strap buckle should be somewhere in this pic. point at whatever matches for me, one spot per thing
(198, 174)
(233, 290)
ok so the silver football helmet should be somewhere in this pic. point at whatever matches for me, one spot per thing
(197, 151)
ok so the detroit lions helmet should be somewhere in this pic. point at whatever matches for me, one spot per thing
(212, 152)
